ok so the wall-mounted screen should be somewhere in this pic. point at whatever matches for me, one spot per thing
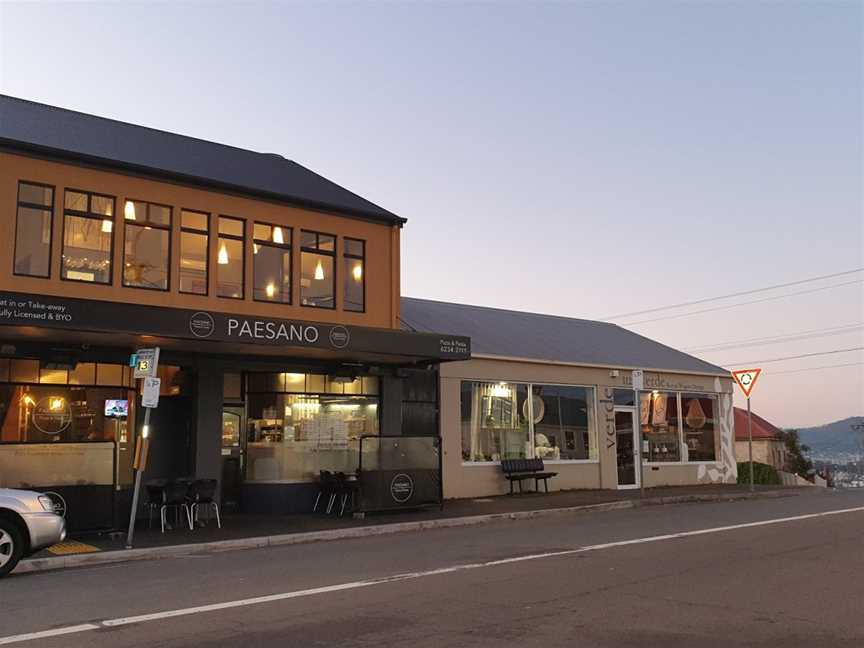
(118, 408)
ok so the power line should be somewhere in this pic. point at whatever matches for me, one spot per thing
(776, 339)
(747, 303)
(795, 357)
(737, 294)
(834, 366)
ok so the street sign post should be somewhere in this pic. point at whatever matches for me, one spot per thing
(637, 379)
(145, 363)
(746, 380)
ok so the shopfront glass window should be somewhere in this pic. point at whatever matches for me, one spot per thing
(563, 418)
(194, 251)
(354, 275)
(293, 433)
(147, 239)
(660, 420)
(317, 272)
(699, 417)
(271, 247)
(88, 237)
(495, 421)
(33, 230)
(229, 260)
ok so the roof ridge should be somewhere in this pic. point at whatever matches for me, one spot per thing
(145, 128)
(511, 310)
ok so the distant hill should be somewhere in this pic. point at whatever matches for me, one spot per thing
(834, 438)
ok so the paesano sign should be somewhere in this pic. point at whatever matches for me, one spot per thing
(113, 317)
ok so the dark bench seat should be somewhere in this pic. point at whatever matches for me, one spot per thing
(518, 470)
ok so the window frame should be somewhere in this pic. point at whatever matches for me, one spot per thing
(232, 237)
(282, 246)
(317, 250)
(193, 230)
(92, 216)
(362, 258)
(148, 223)
(18, 205)
(594, 402)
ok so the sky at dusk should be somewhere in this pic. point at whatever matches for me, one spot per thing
(583, 159)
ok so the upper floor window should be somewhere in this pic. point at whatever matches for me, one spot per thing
(354, 275)
(271, 261)
(88, 237)
(194, 251)
(230, 261)
(33, 229)
(147, 245)
(317, 276)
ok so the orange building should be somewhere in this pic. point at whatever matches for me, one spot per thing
(272, 293)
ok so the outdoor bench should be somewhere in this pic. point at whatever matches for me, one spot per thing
(518, 470)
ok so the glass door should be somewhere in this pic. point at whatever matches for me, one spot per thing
(232, 454)
(626, 448)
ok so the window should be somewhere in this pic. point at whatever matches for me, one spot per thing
(230, 263)
(88, 237)
(300, 424)
(660, 420)
(271, 263)
(699, 412)
(513, 421)
(33, 230)
(563, 422)
(317, 277)
(354, 275)
(147, 245)
(194, 251)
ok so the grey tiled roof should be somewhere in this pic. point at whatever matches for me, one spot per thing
(73, 135)
(516, 334)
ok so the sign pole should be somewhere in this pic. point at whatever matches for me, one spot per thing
(637, 379)
(138, 472)
(750, 444)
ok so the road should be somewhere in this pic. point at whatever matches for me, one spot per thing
(756, 573)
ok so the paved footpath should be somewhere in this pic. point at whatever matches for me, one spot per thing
(769, 572)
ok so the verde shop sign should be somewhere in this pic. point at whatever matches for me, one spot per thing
(82, 315)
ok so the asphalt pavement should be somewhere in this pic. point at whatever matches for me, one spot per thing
(778, 572)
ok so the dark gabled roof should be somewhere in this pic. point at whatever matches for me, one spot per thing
(548, 338)
(57, 132)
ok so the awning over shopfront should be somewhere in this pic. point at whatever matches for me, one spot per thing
(37, 317)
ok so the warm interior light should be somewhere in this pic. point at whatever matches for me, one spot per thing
(29, 401)
(270, 289)
(107, 226)
(277, 235)
(223, 255)
(254, 248)
(357, 272)
(129, 210)
(55, 404)
(145, 431)
(319, 271)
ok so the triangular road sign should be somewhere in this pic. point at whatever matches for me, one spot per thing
(746, 379)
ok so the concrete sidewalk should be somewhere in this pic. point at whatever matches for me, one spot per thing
(254, 531)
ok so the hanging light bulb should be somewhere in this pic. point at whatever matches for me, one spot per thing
(129, 210)
(223, 255)
(357, 272)
(255, 248)
(319, 271)
(107, 226)
(270, 290)
(277, 235)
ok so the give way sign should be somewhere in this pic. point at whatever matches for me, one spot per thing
(746, 379)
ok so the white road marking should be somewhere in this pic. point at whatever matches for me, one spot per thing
(258, 600)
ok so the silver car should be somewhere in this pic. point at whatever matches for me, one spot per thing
(28, 522)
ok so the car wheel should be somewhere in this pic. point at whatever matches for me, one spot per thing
(11, 546)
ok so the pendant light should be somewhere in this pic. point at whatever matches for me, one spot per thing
(129, 210)
(107, 226)
(223, 255)
(357, 272)
(319, 271)
(277, 235)
(270, 289)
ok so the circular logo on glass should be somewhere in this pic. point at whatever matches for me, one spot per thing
(201, 324)
(401, 488)
(339, 337)
(58, 502)
(51, 415)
